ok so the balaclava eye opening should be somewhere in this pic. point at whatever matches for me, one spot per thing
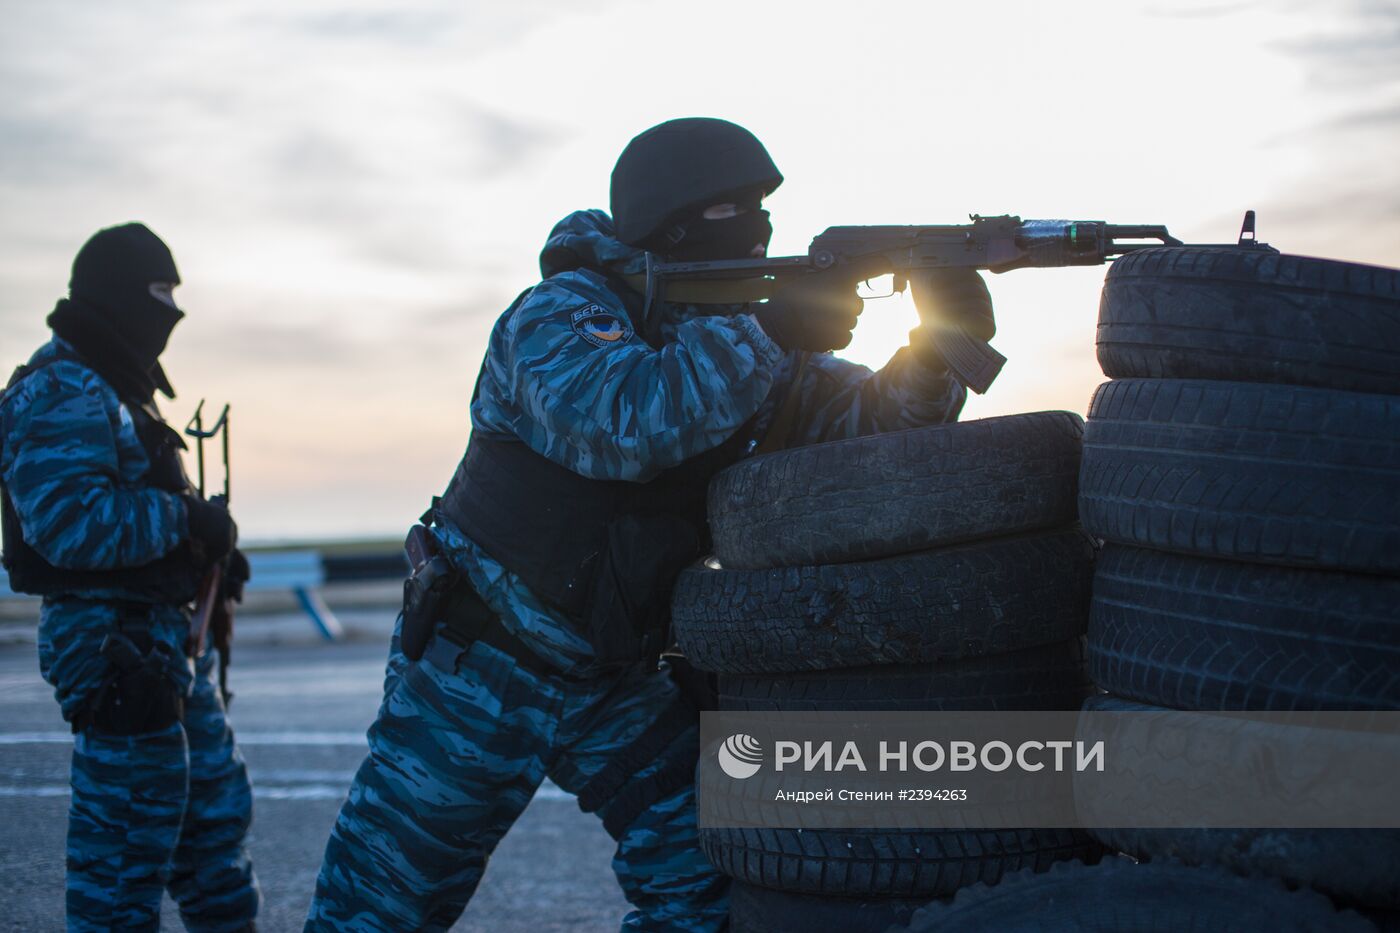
(699, 239)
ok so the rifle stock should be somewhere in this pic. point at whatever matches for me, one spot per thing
(210, 592)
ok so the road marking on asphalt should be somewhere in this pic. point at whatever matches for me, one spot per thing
(243, 738)
(309, 791)
(264, 791)
(547, 791)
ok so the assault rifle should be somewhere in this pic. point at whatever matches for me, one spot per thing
(998, 244)
(213, 610)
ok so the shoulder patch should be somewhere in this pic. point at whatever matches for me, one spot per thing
(600, 327)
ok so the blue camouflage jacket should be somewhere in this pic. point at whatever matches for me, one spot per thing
(76, 472)
(566, 373)
(74, 468)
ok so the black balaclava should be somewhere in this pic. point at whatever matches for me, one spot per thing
(697, 239)
(110, 316)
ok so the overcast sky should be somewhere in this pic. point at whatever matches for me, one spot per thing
(354, 191)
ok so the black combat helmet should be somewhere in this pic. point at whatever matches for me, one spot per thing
(683, 165)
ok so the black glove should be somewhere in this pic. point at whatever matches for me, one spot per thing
(236, 573)
(955, 296)
(818, 311)
(212, 529)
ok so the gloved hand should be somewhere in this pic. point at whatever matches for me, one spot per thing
(818, 311)
(212, 529)
(955, 296)
(236, 573)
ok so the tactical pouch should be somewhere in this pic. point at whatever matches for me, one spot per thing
(628, 618)
(426, 593)
(139, 695)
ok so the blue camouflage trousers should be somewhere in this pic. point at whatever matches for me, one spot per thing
(456, 754)
(165, 810)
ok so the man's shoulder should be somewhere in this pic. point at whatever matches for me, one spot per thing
(567, 290)
(55, 373)
(579, 300)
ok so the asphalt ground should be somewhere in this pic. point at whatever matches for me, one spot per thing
(300, 712)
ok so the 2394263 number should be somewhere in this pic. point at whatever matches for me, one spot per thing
(930, 794)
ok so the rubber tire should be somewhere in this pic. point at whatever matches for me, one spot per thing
(1118, 896)
(886, 863)
(1361, 866)
(1386, 921)
(870, 497)
(1046, 677)
(1269, 474)
(1248, 316)
(1198, 634)
(984, 598)
(763, 910)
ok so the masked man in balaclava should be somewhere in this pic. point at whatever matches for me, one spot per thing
(102, 522)
(596, 425)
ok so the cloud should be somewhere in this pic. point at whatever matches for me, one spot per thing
(474, 314)
(262, 344)
(1340, 201)
(393, 207)
(1208, 9)
(1377, 118)
(504, 145)
(40, 149)
(406, 26)
(424, 23)
(1360, 46)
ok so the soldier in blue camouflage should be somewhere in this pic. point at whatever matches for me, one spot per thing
(100, 519)
(596, 423)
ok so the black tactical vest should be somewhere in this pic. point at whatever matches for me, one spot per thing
(603, 552)
(173, 578)
(549, 525)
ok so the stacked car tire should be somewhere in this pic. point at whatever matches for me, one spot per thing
(1243, 469)
(933, 569)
